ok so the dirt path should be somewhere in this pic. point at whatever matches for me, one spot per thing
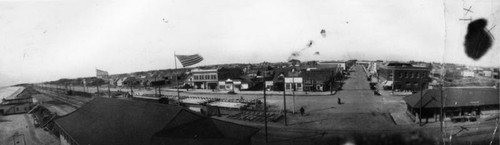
(19, 129)
(31, 130)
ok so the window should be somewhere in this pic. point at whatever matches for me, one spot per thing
(287, 86)
(213, 77)
(400, 75)
(207, 77)
(299, 85)
(407, 74)
(418, 75)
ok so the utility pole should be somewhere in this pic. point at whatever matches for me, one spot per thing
(284, 100)
(421, 94)
(441, 117)
(293, 89)
(159, 91)
(331, 84)
(109, 90)
(265, 104)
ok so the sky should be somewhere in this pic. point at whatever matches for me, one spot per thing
(44, 40)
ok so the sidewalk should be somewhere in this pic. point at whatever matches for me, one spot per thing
(297, 93)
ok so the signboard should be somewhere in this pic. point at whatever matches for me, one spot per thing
(296, 79)
(269, 83)
(237, 82)
(244, 86)
(222, 83)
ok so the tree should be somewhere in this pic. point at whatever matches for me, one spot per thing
(131, 82)
(98, 82)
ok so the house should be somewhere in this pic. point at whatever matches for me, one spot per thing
(105, 121)
(487, 73)
(15, 105)
(229, 78)
(119, 82)
(403, 76)
(479, 102)
(319, 80)
(294, 81)
(495, 73)
(278, 81)
(468, 73)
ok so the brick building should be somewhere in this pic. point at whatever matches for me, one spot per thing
(204, 78)
(403, 76)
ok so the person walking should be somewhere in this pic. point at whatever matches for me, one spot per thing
(302, 111)
(338, 101)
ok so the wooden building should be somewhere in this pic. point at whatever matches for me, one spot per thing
(458, 102)
(16, 105)
(105, 121)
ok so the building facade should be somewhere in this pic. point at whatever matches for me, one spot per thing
(204, 78)
(403, 76)
(457, 102)
(16, 106)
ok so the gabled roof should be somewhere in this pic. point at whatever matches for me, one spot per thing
(455, 97)
(279, 71)
(124, 122)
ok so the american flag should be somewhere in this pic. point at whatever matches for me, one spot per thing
(188, 60)
(101, 74)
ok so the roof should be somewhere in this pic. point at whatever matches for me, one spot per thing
(229, 73)
(115, 121)
(327, 66)
(204, 71)
(333, 61)
(279, 71)
(205, 131)
(403, 66)
(455, 97)
(318, 75)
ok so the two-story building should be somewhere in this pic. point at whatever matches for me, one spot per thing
(204, 78)
(403, 76)
(229, 78)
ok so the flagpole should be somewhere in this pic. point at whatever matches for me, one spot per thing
(177, 80)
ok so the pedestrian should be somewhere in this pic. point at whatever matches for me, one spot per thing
(302, 111)
(339, 102)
